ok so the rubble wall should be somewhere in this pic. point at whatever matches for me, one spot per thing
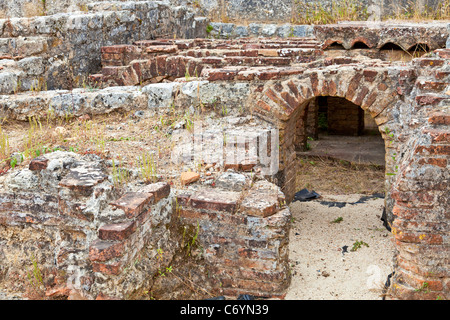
(67, 229)
(59, 51)
(284, 11)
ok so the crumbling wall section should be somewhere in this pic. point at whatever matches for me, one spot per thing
(421, 188)
(244, 234)
(59, 51)
(68, 230)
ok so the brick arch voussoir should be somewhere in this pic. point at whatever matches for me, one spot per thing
(367, 88)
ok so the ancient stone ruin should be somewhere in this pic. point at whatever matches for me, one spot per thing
(82, 225)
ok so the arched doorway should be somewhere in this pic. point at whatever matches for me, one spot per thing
(285, 104)
(337, 128)
(339, 247)
(343, 95)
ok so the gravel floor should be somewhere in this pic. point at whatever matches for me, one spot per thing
(321, 270)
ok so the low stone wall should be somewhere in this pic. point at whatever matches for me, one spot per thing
(67, 230)
(223, 30)
(154, 98)
(73, 232)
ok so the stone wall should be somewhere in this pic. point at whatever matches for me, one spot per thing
(285, 11)
(59, 51)
(344, 117)
(89, 236)
(69, 227)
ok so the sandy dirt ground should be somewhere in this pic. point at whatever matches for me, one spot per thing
(321, 269)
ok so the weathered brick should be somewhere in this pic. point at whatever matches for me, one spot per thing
(268, 74)
(421, 284)
(431, 85)
(218, 75)
(428, 100)
(439, 118)
(314, 78)
(353, 86)
(275, 98)
(370, 75)
(261, 203)
(439, 162)
(410, 237)
(105, 250)
(430, 62)
(263, 105)
(159, 190)
(161, 64)
(290, 100)
(162, 49)
(361, 95)
(438, 136)
(433, 150)
(370, 99)
(134, 203)
(116, 231)
(113, 268)
(39, 163)
(114, 49)
(216, 61)
(217, 200)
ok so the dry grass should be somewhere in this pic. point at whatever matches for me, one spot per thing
(113, 136)
(141, 143)
(316, 13)
(331, 176)
(414, 12)
(306, 12)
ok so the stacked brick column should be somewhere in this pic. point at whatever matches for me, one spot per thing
(421, 193)
(131, 242)
(244, 235)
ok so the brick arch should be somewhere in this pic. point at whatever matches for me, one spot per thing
(418, 193)
(284, 103)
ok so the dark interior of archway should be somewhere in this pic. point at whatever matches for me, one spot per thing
(338, 116)
(360, 45)
(335, 46)
(344, 152)
(391, 46)
(419, 49)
